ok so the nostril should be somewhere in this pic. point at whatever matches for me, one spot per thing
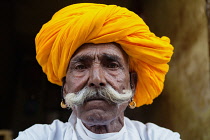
(91, 84)
(102, 84)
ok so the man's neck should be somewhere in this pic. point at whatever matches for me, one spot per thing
(113, 126)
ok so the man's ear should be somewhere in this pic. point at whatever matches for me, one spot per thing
(133, 81)
(63, 89)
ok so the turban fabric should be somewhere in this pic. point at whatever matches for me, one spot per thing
(82, 23)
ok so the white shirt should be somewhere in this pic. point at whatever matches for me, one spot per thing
(75, 130)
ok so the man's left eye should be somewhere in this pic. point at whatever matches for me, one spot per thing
(113, 65)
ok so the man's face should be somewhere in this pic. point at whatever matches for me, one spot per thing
(95, 66)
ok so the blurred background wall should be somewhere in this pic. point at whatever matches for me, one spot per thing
(27, 97)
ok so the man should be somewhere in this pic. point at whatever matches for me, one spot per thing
(105, 58)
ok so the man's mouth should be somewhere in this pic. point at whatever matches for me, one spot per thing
(98, 99)
(93, 99)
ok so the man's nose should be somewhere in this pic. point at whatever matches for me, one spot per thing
(97, 78)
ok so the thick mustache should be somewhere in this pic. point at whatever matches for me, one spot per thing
(106, 93)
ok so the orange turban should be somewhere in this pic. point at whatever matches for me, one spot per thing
(82, 23)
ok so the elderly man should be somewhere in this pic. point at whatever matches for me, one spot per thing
(105, 58)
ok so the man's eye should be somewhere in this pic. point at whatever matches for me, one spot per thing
(80, 67)
(113, 65)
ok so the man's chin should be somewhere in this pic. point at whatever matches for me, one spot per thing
(96, 116)
(98, 112)
(95, 108)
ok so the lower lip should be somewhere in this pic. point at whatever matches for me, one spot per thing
(96, 103)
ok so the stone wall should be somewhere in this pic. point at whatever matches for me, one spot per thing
(185, 101)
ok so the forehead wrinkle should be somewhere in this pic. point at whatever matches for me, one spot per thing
(98, 53)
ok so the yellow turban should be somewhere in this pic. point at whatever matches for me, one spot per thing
(82, 23)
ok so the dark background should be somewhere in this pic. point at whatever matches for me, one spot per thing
(26, 96)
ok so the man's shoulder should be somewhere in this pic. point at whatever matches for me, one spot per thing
(54, 126)
(44, 131)
(151, 131)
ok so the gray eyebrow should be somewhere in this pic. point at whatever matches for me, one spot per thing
(111, 57)
(81, 58)
(88, 58)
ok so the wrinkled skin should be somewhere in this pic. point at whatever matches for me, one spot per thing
(97, 65)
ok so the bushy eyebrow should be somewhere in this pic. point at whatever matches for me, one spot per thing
(82, 58)
(89, 59)
(111, 57)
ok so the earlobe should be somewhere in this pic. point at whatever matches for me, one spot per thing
(133, 81)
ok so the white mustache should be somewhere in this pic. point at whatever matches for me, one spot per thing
(107, 93)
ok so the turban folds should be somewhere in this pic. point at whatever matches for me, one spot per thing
(82, 23)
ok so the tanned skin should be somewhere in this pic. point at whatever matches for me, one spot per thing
(97, 65)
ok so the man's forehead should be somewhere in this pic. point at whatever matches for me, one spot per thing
(104, 49)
